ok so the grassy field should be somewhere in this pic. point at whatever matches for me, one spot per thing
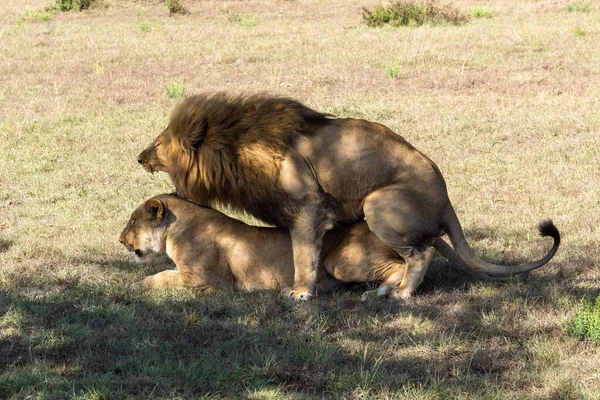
(507, 105)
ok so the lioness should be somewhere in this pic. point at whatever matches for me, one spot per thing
(294, 167)
(214, 251)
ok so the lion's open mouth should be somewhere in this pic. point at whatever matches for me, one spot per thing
(139, 253)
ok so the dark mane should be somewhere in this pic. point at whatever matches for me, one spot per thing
(221, 114)
(232, 148)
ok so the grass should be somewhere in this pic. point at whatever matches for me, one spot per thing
(144, 26)
(413, 13)
(579, 7)
(505, 108)
(241, 20)
(175, 89)
(478, 12)
(394, 71)
(37, 15)
(586, 322)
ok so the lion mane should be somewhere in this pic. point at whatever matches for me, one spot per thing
(223, 154)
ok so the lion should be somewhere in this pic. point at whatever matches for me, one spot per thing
(213, 251)
(293, 167)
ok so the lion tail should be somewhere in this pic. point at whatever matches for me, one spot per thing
(464, 258)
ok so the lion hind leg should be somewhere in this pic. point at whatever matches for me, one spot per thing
(416, 267)
(384, 289)
(395, 216)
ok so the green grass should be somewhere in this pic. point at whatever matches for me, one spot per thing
(37, 15)
(144, 26)
(505, 108)
(478, 12)
(394, 71)
(241, 20)
(413, 13)
(175, 89)
(579, 7)
(586, 322)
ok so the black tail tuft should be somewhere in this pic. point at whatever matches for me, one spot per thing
(547, 228)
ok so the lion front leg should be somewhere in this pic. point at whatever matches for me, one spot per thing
(167, 279)
(307, 238)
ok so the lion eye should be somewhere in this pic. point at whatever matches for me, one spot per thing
(156, 144)
(132, 222)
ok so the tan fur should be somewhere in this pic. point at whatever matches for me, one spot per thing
(296, 168)
(213, 251)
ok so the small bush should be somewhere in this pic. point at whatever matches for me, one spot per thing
(578, 32)
(175, 89)
(68, 5)
(480, 13)
(175, 7)
(579, 7)
(413, 13)
(586, 322)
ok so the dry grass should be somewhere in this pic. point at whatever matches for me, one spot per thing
(507, 107)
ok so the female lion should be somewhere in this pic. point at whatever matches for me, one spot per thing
(214, 251)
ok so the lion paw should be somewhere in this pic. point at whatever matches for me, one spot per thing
(139, 285)
(296, 294)
(399, 295)
(368, 295)
(382, 291)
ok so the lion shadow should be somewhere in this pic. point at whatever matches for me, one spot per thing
(230, 342)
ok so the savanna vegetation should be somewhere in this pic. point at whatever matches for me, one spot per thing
(507, 104)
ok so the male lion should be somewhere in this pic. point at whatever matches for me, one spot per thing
(294, 167)
(214, 251)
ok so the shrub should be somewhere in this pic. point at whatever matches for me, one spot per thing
(413, 13)
(586, 322)
(175, 7)
(67, 5)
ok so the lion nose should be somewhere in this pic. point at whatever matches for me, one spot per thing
(140, 160)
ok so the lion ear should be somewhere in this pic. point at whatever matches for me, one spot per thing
(155, 208)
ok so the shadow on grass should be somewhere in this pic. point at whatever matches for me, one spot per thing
(116, 342)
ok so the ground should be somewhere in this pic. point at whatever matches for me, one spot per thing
(507, 106)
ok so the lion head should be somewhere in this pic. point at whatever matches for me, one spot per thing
(215, 150)
(155, 157)
(145, 233)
